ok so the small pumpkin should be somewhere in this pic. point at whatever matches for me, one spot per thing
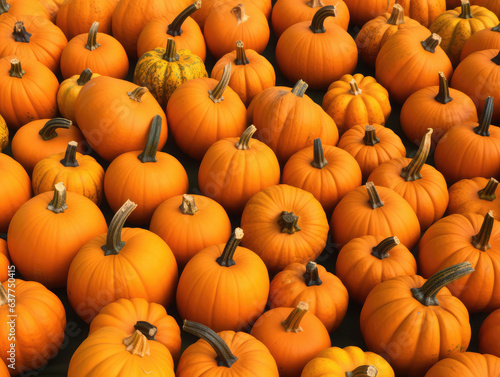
(485, 39)
(4, 134)
(488, 334)
(475, 195)
(468, 364)
(4, 260)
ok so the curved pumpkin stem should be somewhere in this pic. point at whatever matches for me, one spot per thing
(481, 241)
(48, 131)
(149, 152)
(318, 21)
(20, 33)
(16, 70)
(300, 88)
(397, 15)
(239, 12)
(137, 94)
(483, 128)
(466, 13)
(69, 159)
(174, 29)
(488, 192)
(225, 357)
(431, 43)
(370, 137)
(292, 322)
(137, 344)
(311, 276)
(92, 37)
(226, 258)
(58, 202)
(241, 56)
(246, 136)
(381, 251)
(85, 77)
(426, 294)
(288, 222)
(373, 196)
(171, 54)
(315, 3)
(188, 206)
(146, 329)
(443, 95)
(114, 242)
(319, 161)
(355, 91)
(4, 296)
(411, 172)
(363, 371)
(216, 94)
(4, 7)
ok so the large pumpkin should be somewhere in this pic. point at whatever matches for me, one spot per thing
(466, 364)
(24, 8)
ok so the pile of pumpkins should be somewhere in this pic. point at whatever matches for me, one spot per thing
(279, 178)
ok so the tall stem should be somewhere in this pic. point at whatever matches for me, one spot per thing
(373, 196)
(85, 77)
(411, 172)
(466, 13)
(363, 371)
(137, 344)
(69, 159)
(299, 88)
(16, 70)
(311, 276)
(288, 222)
(48, 131)
(174, 29)
(92, 37)
(226, 258)
(431, 43)
(488, 192)
(216, 94)
(381, 251)
(114, 242)
(241, 56)
(58, 202)
(319, 161)
(20, 33)
(239, 12)
(443, 95)
(244, 140)
(171, 54)
(397, 15)
(483, 128)
(149, 152)
(370, 137)
(188, 206)
(481, 241)
(292, 322)
(318, 21)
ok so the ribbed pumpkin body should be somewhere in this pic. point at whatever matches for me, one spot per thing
(27, 8)
(468, 364)
(424, 11)
(489, 333)
(485, 39)
(466, 197)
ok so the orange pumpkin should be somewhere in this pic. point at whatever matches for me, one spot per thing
(4, 260)
(52, 6)
(24, 8)
(466, 364)
(4, 371)
(492, 5)
(488, 334)
(486, 39)
(423, 11)
(4, 134)
(475, 195)
(362, 11)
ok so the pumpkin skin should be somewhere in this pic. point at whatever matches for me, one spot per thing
(24, 8)
(488, 334)
(475, 195)
(357, 99)
(124, 314)
(313, 284)
(4, 260)
(272, 219)
(4, 371)
(4, 134)
(52, 6)
(32, 300)
(52, 219)
(490, 4)
(425, 11)
(29, 77)
(467, 364)
(486, 39)
(363, 11)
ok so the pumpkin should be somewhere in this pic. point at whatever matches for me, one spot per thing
(459, 153)
(76, 17)
(485, 39)
(224, 286)
(362, 11)
(349, 361)
(284, 225)
(31, 77)
(423, 11)
(328, 173)
(461, 237)
(138, 314)
(371, 146)
(69, 90)
(334, 52)
(111, 350)
(24, 8)
(52, 219)
(408, 61)
(52, 6)
(357, 99)
(488, 334)
(100, 52)
(294, 336)
(375, 32)
(79, 173)
(290, 12)
(4, 371)
(288, 120)
(4, 134)
(115, 115)
(376, 259)
(325, 294)
(475, 195)
(115, 265)
(41, 138)
(490, 4)
(204, 110)
(147, 177)
(163, 70)
(467, 364)
(251, 72)
(414, 322)
(456, 27)
(436, 107)
(181, 216)
(32, 37)
(4, 260)
(368, 210)
(37, 310)
(15, 189)
(234, 169)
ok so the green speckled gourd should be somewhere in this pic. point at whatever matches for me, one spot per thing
(162, 70)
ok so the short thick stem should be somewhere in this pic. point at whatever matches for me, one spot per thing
(216, 94)
(171, 54)
(466, 13)
(92, 37)
(319, 161)
(4, 296)
(241, 56)
(363, 371)
(137, 344)
(397, 15)
(481, 241)
(381, 251)
(137, 94)
(20, 33)
(483, 128)
(411, 172)
(188, 206)
(292, 322)
(226, 258)
(69, 159)
(85, 77)
(318, 21)
(114, 242)
(311, 276)
(443, 95)
(58, 203)
(355, 91)
(149, 152)
(16, 70)
(370, 137)
(488, 192)
(299, 88)
(48, 131)
(288, 222)
(239, 12)
(243, 143)
(431, 43)
(146, 329)
(373, 196)
(174, 29)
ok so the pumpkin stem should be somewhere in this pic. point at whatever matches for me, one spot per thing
(288, 222)
(114, 242)
(48, 131)
(20, 34)
(443, 95)
(85, 77)
(397, 15)
(226, 258)
(373, 196)
(381, 251)
(370, 137)
(239, 12)
(319, 161)
(315, 3)
(426, 294)
(431, 43)
(411, 172)
(92, 37)
(149, 152)
(225, 357)
(241, 56)
(174, 29)
(216, 94)
(488, 192)
(171, 54)
(15, 69)
(317, 23)
(481, 241)
(496, 59)
(146, 329)
(188, 206)
(137, 344)
(355, 91)
(466, 13)
(69, 159)
(4, 296)
(363, 371)
(300, 88)
(58, 202)
(496, 28)
(292, 322)
(4, 7)
(246, 136)
(137, 94)
(483, 128)
(311, 276)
